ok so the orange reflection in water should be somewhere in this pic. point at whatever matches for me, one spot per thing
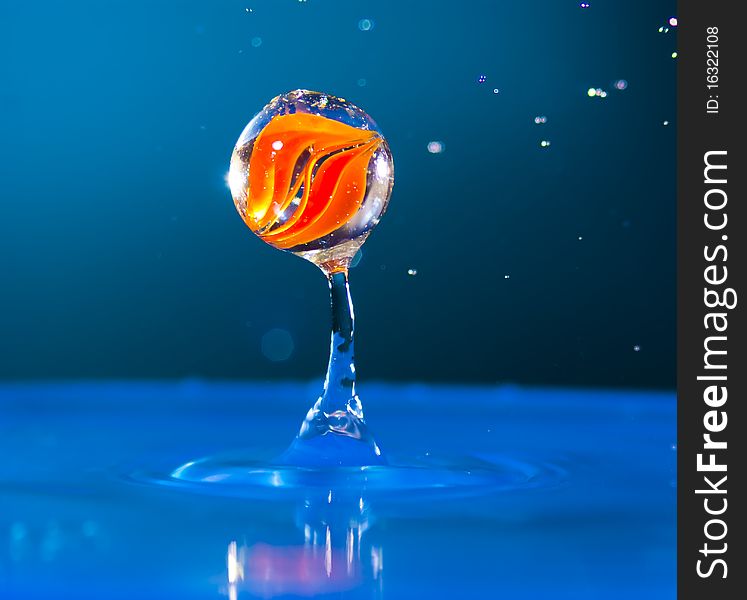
(320, 566)
(277, 571)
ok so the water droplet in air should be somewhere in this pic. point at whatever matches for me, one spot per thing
(277, 145)
(362, 82)
(412, 272)
(365, 24)
(482, 79)
(506, 276)
(540, 119)
(545, 143)
(256, 42)
(636, 348)
(436, 147)
(496, 91)
(673, 21)
(621, 84)
(584, 5)
(674, 55)
(665, 123)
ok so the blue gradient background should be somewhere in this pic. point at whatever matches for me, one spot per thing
(122, 255)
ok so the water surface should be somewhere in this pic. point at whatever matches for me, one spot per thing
(76, 523)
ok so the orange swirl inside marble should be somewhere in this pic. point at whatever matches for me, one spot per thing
(307, 178)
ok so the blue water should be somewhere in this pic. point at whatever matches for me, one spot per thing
(78, 521)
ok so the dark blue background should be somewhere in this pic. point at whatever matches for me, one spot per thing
(121, 254)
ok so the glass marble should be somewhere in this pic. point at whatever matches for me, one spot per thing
(312, 174)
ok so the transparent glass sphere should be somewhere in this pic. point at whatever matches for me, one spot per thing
(312, 174)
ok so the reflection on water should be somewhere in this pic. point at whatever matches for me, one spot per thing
(333, 554)
(547, 504)
(43, 542)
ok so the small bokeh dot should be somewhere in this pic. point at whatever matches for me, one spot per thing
(277, 345)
